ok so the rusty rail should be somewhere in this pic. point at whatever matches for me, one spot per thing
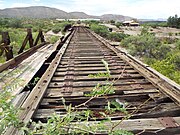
(139, 87)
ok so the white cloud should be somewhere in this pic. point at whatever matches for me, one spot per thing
(1, 4)
(154, 8)
(133, 8)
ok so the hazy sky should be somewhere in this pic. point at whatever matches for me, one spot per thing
(151, 9)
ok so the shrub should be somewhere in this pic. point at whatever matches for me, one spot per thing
(178, 44)
(100, 29)
(56, 29)
(168, 69)
(118, 24)
(54, 39)
(116, 36)
(15, 23)
(144, 45)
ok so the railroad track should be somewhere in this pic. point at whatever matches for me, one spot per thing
(136, 87)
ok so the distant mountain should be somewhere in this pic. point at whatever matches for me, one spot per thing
(81, 15)
(120, 18)
(34, 12)
(47, 12)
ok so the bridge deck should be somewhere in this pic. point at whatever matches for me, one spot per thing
(152, 102)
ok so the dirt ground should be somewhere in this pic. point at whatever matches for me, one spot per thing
(159, 31)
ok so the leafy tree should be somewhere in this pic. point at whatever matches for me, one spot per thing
(173, 21)
(15, 23)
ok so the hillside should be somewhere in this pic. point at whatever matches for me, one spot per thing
(81, 15)
(120, 18)
(47, 12)
(34, 12)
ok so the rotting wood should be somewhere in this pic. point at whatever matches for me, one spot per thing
(132, 90)
(27, 38)
(171, 89)
(16, 60)
(5, 46)
(31, 103)
(40, 36)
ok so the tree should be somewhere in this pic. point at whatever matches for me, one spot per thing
(15, 23)
(174, 21)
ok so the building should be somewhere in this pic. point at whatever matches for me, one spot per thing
(130, 23)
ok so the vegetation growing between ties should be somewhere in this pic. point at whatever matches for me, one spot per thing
(67, 124)
(145, 46)
(71, 122)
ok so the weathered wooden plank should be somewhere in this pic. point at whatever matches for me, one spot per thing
(96, 68)
(171, 89)
(90, 62)
(19, 57)
(25, 71)
(139, 124)
(94, 83)
(85, 90)
(141, 91)
(31, 103)
(87, 78)
(91, 65)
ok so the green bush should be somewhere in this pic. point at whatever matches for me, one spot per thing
(27, 26)
(146, 45)
(100, 29)
(118, 24)
(35, 29)
(116, 36)
(54, 39)
(15, 23)
(157, 55)
(103, 31)
(61, 26)
(155, 24)
(167, 68)
(56, 29)
(178, 44)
